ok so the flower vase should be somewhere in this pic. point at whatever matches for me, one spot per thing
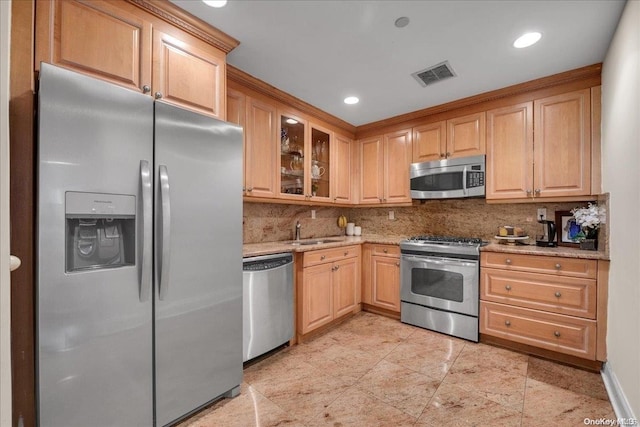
(590, 242)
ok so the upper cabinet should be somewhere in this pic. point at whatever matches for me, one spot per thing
(384, 168)
(123, 44)
(540, 149)
(457, 137)
(293, 164)
(341, 169)
(260, 149)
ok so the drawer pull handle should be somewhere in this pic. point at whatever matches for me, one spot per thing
(558, 266)
(508, 287)
(558, 294)
(346, 253)
(508, 261)
(385, 250)
(507, 322)
(322, 257)
(557, 334)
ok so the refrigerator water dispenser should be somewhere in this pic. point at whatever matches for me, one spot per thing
(100, 230)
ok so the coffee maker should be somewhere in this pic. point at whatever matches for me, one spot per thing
(547, 239)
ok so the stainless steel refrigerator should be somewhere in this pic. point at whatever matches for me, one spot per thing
(139, 256)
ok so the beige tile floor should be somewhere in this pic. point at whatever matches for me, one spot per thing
(374, 371)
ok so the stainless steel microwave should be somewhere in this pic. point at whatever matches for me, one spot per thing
(448, 179)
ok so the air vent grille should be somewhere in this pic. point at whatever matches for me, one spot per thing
(434, 74)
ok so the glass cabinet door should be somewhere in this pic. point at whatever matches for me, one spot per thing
(320, 159)
(292, 160)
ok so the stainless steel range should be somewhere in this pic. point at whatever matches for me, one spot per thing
(439, 284)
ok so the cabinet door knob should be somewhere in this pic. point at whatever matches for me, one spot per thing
(508, 287)
(558, 294)
(158, 95)
(528, 192)
(385, 250)
(322, 257)
(335, 199)
(146, 89)
(507, 322)
(250, 189)
(337, 267)
(346, 253)
(398, 264)
(380, 199)
(448, 154)
(442, 155)
(557, 334)
(507, 261)
(558, 266)
(537, 191)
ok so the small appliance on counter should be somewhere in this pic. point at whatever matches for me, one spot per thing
(548, 239)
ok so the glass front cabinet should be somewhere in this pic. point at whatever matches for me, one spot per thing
(304, 160)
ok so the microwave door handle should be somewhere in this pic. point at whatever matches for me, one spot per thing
(146, 235)
(164, 238)
(465, 191)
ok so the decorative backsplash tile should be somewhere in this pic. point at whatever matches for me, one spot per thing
(266, 222)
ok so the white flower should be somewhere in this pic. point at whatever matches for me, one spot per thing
(589, 217)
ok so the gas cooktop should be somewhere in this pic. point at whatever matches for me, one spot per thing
(446, 240)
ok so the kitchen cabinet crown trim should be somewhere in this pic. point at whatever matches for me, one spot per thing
(590, 72)
(250, 82)
(172, 14)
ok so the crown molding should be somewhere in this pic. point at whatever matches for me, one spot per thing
(176, 16)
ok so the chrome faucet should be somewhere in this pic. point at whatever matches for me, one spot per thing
(298, 226)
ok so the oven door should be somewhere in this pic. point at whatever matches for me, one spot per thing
(443, 283)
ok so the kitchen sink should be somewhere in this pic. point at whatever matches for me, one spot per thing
(314, 242)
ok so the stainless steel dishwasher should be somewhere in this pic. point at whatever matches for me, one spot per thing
(267, 311)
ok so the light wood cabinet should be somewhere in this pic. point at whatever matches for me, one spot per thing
(328, 286)
(188, 73)
(260, 149)
(384, 168)
(341, 169)
(123, 44)
(556, 162)
(457, 137)
(381, 276)
(553, 303)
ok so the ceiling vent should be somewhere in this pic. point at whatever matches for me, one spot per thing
(434, 74)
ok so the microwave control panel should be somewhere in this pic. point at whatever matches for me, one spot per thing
(475, 177)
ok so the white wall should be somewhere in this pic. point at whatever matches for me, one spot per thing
(621, 178)
(5, 284)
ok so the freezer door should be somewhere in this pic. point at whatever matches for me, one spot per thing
(198, 252)
(94, 321)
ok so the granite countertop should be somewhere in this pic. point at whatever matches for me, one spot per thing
(267, 248)
(529, 249)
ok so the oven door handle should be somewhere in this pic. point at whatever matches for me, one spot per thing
(439, 262)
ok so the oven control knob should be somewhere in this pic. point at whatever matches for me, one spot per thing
(507, 322)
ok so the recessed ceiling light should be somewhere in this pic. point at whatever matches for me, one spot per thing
(351, 100)
(292, 121)
(215, 3)
(402, 22)
(527, 40)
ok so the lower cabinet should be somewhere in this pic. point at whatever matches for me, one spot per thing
(328, 286)
(381, 277)
(553, 303)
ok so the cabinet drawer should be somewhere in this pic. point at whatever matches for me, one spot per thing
(564, 334)
(563, 295)
(576, 267)
(385, 250)
(322, 256)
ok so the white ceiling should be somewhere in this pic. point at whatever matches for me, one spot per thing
(323, 50)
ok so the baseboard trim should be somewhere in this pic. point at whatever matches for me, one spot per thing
(617, 397)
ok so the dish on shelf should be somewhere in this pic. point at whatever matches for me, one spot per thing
(293, 172)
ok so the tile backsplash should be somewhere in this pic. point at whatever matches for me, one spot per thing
(265, 222)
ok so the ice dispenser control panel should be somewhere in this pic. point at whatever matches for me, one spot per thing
(100, 230)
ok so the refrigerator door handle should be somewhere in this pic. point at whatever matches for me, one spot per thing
(147, 230)
(164, 237)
